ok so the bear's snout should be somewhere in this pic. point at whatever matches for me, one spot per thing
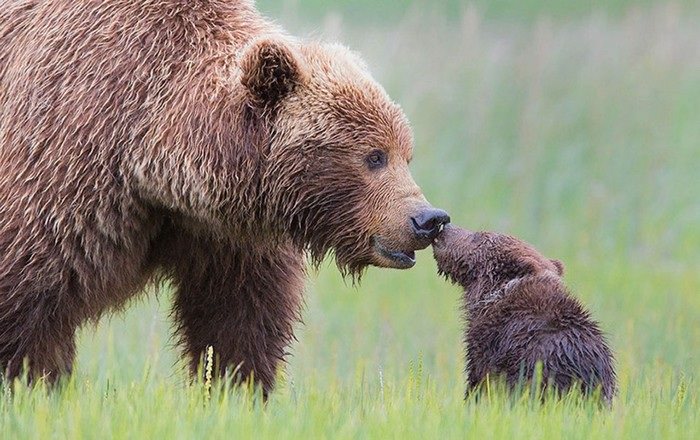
(451, 236)
(429, 223)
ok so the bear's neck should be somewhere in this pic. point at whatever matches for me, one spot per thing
(485, 297)
(478, 303)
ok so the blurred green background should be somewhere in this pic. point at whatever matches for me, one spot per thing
(574, 125)
(382, 12)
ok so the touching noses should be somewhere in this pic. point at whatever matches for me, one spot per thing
(428, 223)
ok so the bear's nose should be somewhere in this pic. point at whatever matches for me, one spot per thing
(429, 223)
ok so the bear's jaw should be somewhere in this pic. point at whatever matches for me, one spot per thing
(397, 259)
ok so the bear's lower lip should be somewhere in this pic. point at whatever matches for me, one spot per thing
(400, 259)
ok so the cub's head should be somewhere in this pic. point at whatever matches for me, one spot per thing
(485, 261)
(337, 175)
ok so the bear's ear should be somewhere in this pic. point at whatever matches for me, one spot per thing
(559, 265)
(270, 70)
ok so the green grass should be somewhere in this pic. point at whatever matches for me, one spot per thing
(581, 135)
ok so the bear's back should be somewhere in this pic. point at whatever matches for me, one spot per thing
(84, 78)
(539, 321)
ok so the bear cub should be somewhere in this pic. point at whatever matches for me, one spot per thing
(519, 313)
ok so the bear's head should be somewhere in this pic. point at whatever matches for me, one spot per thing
(336, 177)
(484, 262)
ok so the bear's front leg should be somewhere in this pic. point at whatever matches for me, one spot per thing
(36, 332)
(243, 302)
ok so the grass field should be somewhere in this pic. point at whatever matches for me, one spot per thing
(579, 132)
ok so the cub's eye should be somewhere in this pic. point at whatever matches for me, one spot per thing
(376, 159)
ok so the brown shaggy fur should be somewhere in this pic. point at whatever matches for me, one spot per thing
(519, 313)
(193, 141)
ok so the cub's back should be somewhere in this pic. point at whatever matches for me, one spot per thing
(538, 320)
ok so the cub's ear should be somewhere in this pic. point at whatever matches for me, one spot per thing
(270, 70)
(559, 265)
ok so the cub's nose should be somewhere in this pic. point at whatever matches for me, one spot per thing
(429, 223)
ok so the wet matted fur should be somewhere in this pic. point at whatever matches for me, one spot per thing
(518, 313)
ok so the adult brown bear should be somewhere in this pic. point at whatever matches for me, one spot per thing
(191, 140)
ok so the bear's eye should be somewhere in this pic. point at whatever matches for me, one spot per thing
(376, 159)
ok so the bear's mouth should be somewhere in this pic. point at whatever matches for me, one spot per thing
(399, 259)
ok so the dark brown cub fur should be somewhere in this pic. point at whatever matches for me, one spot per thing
(520, 313)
